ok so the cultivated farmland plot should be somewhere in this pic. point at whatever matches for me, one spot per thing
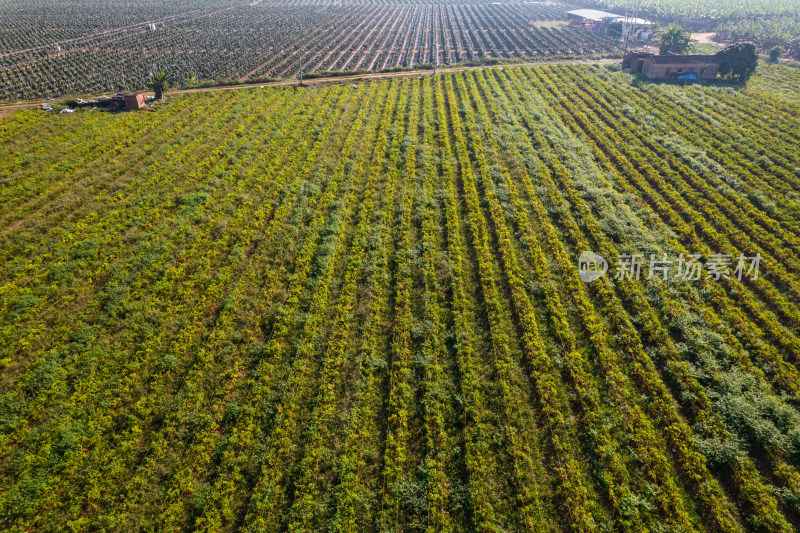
(767, 23)
(709, 8)
(783, 31)
(110, 45)
(359, 309)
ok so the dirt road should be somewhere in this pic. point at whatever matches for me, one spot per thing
(4, 109)
(704, 38)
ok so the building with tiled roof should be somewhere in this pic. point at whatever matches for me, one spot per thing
(672, 66)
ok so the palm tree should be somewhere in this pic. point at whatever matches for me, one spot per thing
(158, 82)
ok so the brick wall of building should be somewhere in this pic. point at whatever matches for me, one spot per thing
(704, 71)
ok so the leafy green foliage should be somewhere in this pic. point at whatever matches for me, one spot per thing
(158, 82)
(109, 45)
(350, 309)
(675, 40)
(738, 61)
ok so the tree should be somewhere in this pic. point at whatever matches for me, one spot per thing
(775, 53)
(676, 41)
(158, 82)
(738, 61)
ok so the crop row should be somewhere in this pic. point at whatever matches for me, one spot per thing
(359, 309)
(706, 9)
(752, 487)
(264, 40)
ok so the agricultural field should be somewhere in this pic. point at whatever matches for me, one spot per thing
(767, 23)
(359, 308)
(768, 32)
(115, 45)
(708, 8)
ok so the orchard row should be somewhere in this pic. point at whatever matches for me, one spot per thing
(270, 41)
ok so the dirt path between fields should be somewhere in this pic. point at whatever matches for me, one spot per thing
(377, 76)
(705, 38)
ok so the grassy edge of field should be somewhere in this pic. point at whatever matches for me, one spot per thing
(7, 106)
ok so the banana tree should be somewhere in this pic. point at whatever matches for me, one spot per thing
(158, 82)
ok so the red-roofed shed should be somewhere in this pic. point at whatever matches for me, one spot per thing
(133, 100)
